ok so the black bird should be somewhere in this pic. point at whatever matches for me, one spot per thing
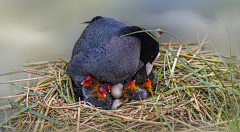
(102, 52)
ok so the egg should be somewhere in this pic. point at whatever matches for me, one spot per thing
(116, 103)
(117, 90)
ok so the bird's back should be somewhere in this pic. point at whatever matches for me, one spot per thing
(97, 34)
(112, 63)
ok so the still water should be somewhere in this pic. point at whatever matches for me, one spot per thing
(33, 31)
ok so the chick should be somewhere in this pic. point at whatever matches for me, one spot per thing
(108, 86)
(96, 93)
(140, 76)
(131, 92)
(147, 86)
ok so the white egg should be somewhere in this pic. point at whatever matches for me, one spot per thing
(117, 90)
(116, 103)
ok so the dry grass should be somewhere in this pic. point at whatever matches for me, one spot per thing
(181, 101)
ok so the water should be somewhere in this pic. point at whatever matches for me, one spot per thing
(33, 31)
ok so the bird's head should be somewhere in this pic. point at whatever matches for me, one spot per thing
(147, 82)
(88, 80)
(147, 85)
(102, 92)
(92, 20)
(149, 46)
(130, 86)
(150, 61)
(108, 86)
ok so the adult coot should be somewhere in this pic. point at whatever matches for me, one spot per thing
(102, 52)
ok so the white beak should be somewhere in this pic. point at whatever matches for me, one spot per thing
(149, 66)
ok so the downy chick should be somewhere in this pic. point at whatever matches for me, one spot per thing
(96, 93)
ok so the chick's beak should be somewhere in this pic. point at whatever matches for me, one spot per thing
(83, 82)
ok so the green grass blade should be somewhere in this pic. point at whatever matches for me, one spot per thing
(175, 54)
(15, 114)
(35, 113)
(165, 119)
(225, 64)
(29, 93)
(209, 93)
(62, 60)
(160, 116)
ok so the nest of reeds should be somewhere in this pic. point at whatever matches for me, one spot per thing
(195, 99)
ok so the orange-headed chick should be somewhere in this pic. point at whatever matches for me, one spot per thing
(131, 92)
(90, 80)
(96, 93)
(108, 86)
(147, 85)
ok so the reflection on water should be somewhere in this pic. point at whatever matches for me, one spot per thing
(32, 31)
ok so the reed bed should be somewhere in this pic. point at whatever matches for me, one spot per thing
(202, 98)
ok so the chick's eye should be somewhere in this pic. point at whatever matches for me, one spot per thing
(126, 85)
(147, 80)
(89, 78)
(130, 83)
(101, 89)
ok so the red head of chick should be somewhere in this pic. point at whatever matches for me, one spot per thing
(96, 93)
(131, 92)
(90, 80)
(102, 92)
(147, 85)
(108, 86)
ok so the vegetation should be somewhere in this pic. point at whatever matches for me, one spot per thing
(195, 91)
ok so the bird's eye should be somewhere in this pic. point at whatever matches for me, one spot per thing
(126, 85)
(108, 86)
(101, 89)
(147, 80)
(88, 78)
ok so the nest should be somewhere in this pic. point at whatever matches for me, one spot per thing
(182, 100)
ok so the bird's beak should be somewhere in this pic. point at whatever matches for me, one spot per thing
(87, 22)
(83, 82)
(149, 66)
